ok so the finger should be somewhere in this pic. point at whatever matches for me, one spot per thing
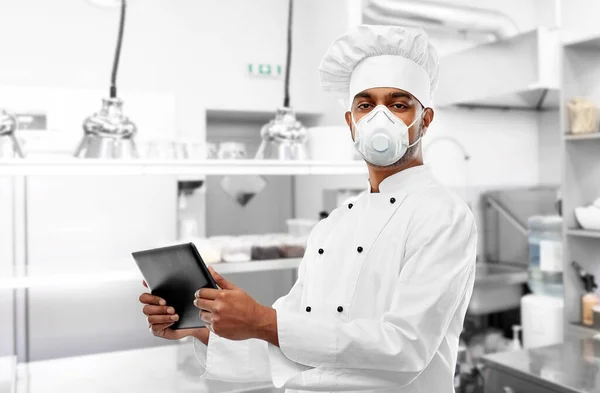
(221, 281)
(148, 298)
(159, 329)
(158, 319)
(206, 317)
(157, 310)
(204, 304)
(144, 283)
(207, 293)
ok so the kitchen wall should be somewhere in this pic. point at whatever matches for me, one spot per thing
(198, 53)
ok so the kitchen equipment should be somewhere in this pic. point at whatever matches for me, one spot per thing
(300, 227)
(545, 255)
(542, 318)
(330, 144)
(500, 277)
(498, 287)
(283, 138)
(231, 151)
(515, 344)
(588, 217)
(211, 150)
(243, 188)
(583, 116)
(9, 146)
(109, 133)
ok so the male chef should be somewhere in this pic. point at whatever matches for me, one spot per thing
(385, 282)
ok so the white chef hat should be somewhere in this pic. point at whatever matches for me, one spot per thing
(371, 56)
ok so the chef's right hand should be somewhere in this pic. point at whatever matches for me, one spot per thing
(160, 317)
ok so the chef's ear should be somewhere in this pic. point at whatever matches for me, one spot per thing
(349, 122)
(428, 115)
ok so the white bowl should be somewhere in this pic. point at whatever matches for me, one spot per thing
(588, 217)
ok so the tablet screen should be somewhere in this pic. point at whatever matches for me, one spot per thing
(175, 273)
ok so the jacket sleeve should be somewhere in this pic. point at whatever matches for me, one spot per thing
(248, 360)
(435, 282)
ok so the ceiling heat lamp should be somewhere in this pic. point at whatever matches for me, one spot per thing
(109, 133)
(284, 138)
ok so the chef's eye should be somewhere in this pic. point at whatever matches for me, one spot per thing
(399, 106)
(364, 106)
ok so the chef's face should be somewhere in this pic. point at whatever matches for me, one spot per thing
(401, 103)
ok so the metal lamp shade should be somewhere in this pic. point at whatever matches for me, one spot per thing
(9, 146)
(283, 138)
(108, 133)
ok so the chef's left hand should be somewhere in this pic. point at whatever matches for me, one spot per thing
(230, 312)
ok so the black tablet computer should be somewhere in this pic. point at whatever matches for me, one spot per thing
(175, 273)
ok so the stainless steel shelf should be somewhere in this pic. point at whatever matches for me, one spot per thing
(96, 167)
(583, 233)
(132, 274)
(582, 137)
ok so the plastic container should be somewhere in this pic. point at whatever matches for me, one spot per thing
(293, 247)
(545, 255)
(266, 248)
(210, 253)
(300, 227)
(218, 243)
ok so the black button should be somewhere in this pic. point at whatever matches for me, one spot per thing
(350, 206)
(321, 251)
(392, 200)
(340, 308)
(308, 308)
(359, 249)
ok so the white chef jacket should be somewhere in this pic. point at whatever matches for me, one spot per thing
(380, 299)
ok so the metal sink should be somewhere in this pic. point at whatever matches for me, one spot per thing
(498, 287)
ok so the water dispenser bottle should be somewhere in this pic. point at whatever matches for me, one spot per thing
(545, 255)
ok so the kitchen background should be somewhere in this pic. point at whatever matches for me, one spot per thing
(188, 78)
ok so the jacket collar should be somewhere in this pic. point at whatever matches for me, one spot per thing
(405, 180)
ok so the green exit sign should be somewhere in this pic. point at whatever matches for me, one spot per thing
(274, 71)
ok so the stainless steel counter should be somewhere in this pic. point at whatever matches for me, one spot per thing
(572, 367)
(154, 370)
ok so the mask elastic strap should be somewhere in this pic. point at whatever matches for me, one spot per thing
(420, 136)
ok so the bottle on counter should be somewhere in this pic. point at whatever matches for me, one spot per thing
(515, 344)
(545, 256)
(590, 299)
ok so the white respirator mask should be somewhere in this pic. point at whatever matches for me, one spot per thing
(381, 137)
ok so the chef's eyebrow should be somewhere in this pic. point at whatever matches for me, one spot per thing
(363, 94)
(399, 94)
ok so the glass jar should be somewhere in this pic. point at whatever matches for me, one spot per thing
(545, 255)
